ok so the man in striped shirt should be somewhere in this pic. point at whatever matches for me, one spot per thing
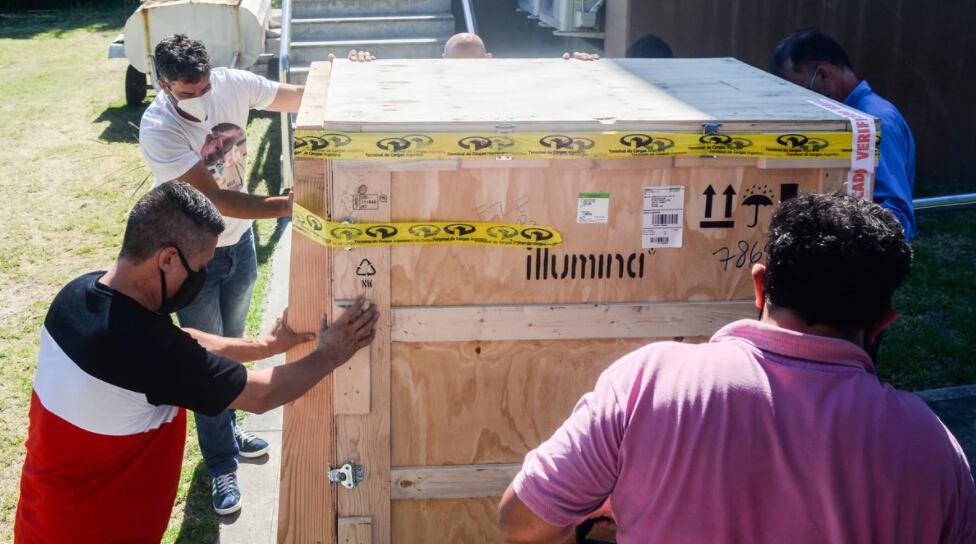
(115, 376)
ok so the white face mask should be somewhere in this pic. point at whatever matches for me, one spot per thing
(198, 106)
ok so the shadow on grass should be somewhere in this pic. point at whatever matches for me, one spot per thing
(123, 123)
(267, 171)
(200, 524)
(26, 24)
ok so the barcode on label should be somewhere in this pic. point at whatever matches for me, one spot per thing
(659, 219)
(662, 224)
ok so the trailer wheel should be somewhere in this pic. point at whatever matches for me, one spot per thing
(135, 86)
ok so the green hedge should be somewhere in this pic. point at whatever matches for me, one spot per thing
(21, 5)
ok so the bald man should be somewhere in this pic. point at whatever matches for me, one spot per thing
(465, 46)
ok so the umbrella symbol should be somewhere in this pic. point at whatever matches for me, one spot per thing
(757, 196)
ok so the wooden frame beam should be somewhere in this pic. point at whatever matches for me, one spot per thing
(362, 386)
(451, 482)
(565, 322)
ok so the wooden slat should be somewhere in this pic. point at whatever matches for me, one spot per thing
(355, 530)
(351, 383)
(783, 164)
(314, 97)
(307, 501)
(717, 162)
(637, 163)
(366, 437)
(394, 165)
(578, 321)
(833, 180)
(306, 505)
(451, 482)
(355, 272)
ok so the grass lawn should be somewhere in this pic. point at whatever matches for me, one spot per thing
(931, 343)
(71, 171)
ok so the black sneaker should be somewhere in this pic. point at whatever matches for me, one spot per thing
(225, 494)
(250, 445)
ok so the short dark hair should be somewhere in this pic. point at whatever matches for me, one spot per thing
(181, 58)
(835, 260)
(808, 45)
(172, 214)
(649, 47)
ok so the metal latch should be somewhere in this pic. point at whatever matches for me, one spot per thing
(711, 128)
(348, 475)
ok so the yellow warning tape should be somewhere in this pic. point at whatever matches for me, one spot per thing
(600, 145)
(335, 234)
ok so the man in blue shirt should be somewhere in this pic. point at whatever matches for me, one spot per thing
(814, 60)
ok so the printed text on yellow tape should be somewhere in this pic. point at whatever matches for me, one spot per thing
(334, 234)
(442, 145)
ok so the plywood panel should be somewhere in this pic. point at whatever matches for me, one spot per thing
(366, 437)
(532, 93)
(713, 263)
(467, 403)
(460, 521)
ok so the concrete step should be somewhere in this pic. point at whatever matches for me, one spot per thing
(274, 20)
(364, 28)
(308, 9)
(298, 76)
(304, 53)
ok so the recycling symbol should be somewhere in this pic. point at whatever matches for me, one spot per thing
(365, 268)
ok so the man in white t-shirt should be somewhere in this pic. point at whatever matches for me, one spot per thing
(196, 131)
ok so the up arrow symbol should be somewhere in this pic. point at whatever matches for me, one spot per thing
(729, 193)
(709, 194)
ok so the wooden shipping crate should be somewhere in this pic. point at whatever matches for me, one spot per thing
(483, 351)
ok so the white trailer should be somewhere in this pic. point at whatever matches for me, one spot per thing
(232, 30)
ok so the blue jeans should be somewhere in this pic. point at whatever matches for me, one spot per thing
(221, 308)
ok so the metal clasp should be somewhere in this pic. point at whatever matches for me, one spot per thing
(711, 128)
(348, 475)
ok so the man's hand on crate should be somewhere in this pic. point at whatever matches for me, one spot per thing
(576, 55)
(352, 331)
(356, 56)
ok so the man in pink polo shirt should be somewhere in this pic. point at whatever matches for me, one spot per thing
(776, 431)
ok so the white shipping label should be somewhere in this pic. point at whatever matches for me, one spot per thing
(593, 208)
(664, 217)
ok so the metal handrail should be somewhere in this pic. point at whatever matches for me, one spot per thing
(944, 203)
(469, 20)
(284, 65)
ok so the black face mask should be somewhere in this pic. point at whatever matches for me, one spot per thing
(186, 293)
